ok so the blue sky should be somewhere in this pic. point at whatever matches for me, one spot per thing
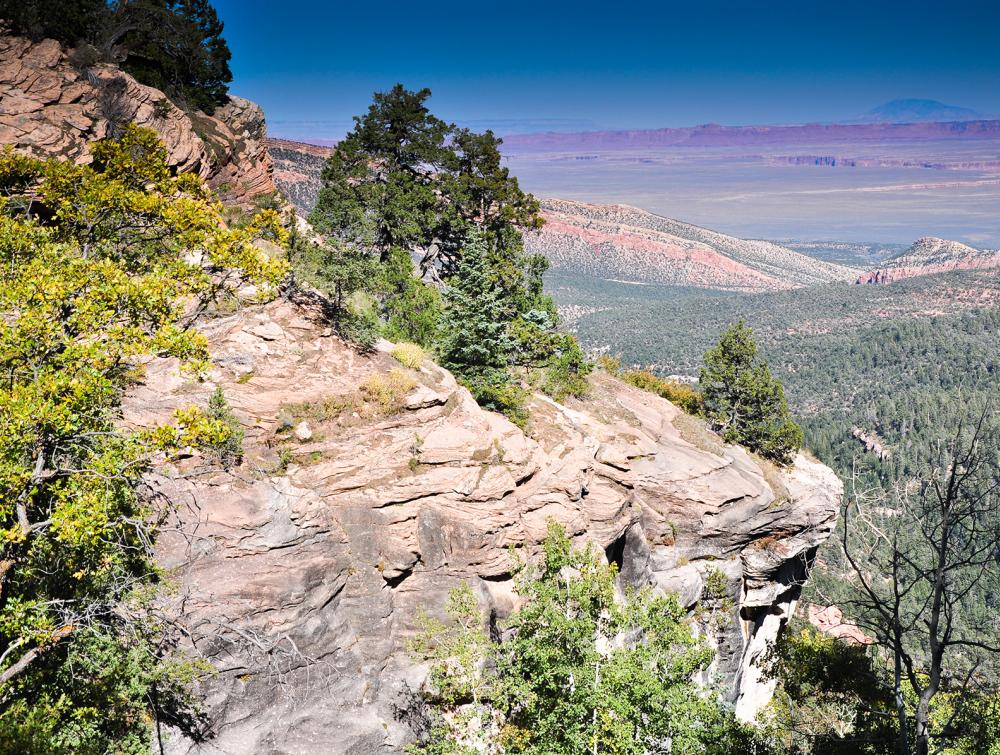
(532, 66)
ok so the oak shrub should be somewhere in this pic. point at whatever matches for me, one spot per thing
(101, 266)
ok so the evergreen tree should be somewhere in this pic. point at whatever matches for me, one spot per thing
(475, 341)
(405, 179)
(743, 401)
(176, 46)
(68, 21)
(378, 186)
(412, 309)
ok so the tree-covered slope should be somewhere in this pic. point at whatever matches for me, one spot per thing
(898, 362)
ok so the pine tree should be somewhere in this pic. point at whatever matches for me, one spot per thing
(743, 401)
(176, 46)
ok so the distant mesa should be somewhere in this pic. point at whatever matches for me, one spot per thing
(622, 243)
(919, 111)
(714, 135)
(931, 255)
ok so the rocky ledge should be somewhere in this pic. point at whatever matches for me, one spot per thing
(53, 104)
(368, 490)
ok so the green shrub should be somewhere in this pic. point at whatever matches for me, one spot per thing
(498, 391)
(716, 584)
(230, 449)
(567, 374)
(555, 685)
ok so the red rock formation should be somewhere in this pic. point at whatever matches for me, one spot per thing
(931, 255)
(830, 621)
(300, 572)
(49, 107)
(619, 242)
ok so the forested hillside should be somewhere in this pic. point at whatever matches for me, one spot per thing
(894, 361)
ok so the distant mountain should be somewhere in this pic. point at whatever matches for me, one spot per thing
(618, 242)
(931, 255)
(714, 135)
(297, 168)
(919, 111)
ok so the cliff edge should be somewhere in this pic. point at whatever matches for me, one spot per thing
(368, 489)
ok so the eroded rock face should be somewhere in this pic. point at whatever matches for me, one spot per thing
(49, 107)
(300, 572)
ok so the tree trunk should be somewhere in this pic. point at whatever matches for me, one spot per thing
(920, 719)
(904, 740)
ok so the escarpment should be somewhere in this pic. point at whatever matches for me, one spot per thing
(367, 490)
(53, 103)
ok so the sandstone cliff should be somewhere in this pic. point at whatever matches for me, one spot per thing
(51, 107)
(297, 169)
(368, 490)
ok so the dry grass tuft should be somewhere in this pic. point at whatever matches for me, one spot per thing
(696, 432)
(409, 355)
(387, 391)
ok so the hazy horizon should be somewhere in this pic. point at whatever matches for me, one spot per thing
(584, 66)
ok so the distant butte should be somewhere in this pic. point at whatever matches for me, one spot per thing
(931, 255)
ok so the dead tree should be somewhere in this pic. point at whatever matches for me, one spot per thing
(920, 559)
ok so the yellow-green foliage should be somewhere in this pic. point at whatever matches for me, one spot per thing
(409, 354)
(387, 391)
(611, 365)
(99, 267)
(681, 394)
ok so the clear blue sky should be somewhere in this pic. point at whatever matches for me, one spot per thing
(532, 66)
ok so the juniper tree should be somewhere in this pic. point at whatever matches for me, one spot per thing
(405, 179)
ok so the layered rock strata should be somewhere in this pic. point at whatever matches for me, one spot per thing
(51, 107)
(368, 490)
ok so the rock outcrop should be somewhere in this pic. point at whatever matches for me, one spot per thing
(619, 242)
(931, 255)
(51, 107)
(368, 490)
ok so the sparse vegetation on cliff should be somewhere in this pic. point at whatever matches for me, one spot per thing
(97, 273)
(403, 184)
(175, 46)
(580, 670)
